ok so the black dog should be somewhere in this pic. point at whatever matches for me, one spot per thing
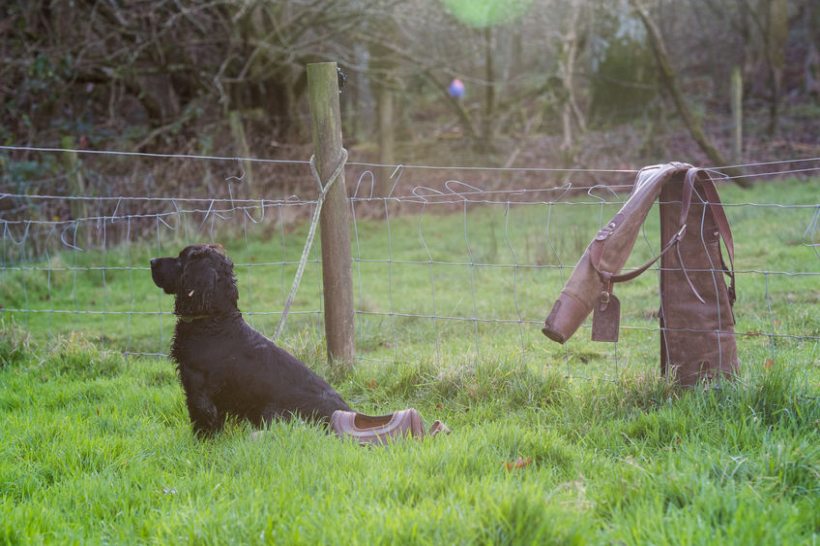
(227, 367)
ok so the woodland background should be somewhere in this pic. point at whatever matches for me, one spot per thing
(549, 83)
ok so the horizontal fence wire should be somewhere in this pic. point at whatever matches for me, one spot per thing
(445, 268)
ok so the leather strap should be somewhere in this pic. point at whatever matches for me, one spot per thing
(719, 214)
(724, 230)
(686, 194)
(636, 272)
(715, 206)
(609, 278)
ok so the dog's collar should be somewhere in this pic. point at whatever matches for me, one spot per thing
(192, 318)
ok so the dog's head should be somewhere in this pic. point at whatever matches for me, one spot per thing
(201, 278)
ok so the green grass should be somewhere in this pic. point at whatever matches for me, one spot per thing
(95, 446)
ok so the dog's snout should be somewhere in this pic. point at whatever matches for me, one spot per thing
(159, 263)
(165, 273)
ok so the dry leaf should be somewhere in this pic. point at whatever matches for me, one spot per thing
(521, 462)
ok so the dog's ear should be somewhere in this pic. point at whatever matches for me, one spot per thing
(226, 294)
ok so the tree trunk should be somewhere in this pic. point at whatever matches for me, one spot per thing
(383, 65)
(571, 111)
(488, 120)
(777, 34)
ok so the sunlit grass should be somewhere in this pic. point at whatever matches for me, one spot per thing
(582, 443)
(96, 448)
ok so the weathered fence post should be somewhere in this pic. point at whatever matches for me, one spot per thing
(76, 185)
(387, 139)
(737, 115)
(337, 275)
(238, 134)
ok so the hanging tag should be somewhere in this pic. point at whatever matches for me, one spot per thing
(606, 319)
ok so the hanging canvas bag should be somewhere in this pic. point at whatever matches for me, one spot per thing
(696, 317)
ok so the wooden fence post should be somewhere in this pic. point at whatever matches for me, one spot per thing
(337, 274)
(76, 185)
(242, 149)
(737, 115)
(387, 139)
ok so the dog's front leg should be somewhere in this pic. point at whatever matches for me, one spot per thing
(206, 419)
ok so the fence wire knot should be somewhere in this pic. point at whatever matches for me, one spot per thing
(324, 188)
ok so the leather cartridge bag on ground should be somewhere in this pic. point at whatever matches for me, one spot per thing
(697, 324)
(383, 429)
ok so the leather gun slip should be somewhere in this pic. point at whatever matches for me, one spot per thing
(697, 324)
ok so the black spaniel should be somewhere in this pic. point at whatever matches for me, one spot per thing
(225, 366)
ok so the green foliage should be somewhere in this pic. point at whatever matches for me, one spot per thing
(15, 344)
(624, 82)
(486, 13)
(26, 177)
(76, 357)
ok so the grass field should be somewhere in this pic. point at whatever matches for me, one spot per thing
(574, 444)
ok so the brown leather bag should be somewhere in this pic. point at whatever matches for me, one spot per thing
(697, 324)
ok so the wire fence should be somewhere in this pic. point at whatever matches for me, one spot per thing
(454, 265)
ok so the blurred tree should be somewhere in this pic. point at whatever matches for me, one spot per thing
(776, 16)
(166, 74)
(572, 116)
(670, 80)
(162, 64)
(762, 29)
